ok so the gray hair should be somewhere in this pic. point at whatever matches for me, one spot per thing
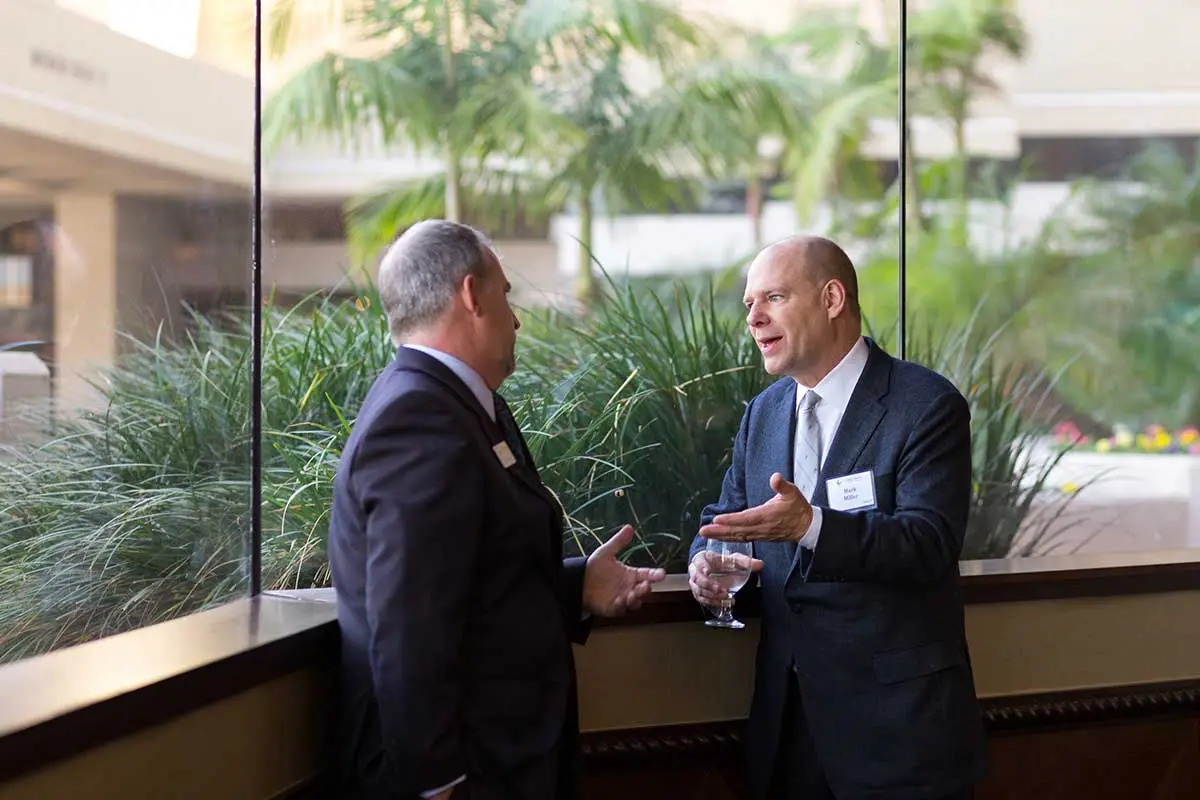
(423, 269)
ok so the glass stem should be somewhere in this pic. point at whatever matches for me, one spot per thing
(727, 609)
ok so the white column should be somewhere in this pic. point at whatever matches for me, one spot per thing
(85, 294)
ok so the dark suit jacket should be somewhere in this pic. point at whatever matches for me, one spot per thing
(457, 611)
(872, 620)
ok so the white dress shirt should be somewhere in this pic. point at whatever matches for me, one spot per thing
(834, 390)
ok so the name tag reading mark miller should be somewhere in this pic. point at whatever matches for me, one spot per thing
(851, 492)
(504, 454)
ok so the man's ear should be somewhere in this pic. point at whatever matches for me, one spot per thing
(469, 293)
(834, 297)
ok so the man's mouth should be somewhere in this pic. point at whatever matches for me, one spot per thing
(767, 344)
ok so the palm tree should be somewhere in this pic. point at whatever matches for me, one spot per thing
(854, 82)
(445, 78)
(947, 46)
(646, 147)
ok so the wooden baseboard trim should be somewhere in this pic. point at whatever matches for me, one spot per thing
(1091, 706)
(1002, 715)
(661, 742)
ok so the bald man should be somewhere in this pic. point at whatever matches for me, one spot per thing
(851, 475)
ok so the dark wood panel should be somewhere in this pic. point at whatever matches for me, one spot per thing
(703, 780)
(1119, 743)
(1152, 760)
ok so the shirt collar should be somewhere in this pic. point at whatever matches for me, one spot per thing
(465, 374)
(837, 386)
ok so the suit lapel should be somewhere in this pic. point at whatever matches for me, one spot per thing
(863, 414)
(526, 472)
(779, 415)
(407, 358)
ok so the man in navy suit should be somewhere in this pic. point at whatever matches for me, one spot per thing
(852, 477)
(457, 610)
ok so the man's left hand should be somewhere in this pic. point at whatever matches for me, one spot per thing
(783, 518)
(609, 587)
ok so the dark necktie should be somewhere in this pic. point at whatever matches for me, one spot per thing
(508, 425)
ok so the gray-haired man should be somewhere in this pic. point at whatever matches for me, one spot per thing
(456, 607)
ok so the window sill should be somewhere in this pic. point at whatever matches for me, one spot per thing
(991, 581)
(64, 702)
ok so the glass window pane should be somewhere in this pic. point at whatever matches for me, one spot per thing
(626, 182)
(1053, 268)
(125, 206)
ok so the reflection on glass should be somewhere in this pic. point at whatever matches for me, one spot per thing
(124, 369)
(1052, 267)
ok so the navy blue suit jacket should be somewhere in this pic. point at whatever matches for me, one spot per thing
(456, 608)
(872, 619)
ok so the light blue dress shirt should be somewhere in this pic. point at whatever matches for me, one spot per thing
(467, 375)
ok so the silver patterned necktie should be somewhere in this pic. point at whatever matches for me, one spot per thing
(806, 457)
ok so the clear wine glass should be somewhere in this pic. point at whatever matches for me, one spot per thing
(728, 565)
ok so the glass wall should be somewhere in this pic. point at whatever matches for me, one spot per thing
(643, 160)
(125, 210)
(628, 165)
(1044, 272)
(1052, 263)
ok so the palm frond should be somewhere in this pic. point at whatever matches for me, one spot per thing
(352, 99)
(493, 198)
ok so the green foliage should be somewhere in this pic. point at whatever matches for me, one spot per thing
(139, 512)
(135, 513)
(645, 401)
(1143, 268)
(1014, 512)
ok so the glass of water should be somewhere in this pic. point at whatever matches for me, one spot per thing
(728, 565)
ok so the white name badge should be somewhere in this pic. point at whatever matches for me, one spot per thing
(504, 454)
(851, 492)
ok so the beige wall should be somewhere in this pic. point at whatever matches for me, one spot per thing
(85, 292)
(656, 675)
(252, 746)
(69, 78)
(1110, 45)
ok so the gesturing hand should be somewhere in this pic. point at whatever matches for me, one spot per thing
(783, 518)
(609, 587)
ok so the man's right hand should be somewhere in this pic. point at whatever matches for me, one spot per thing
(705, 589)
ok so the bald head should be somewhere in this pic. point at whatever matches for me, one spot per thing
(802, 307)
(819, 260)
